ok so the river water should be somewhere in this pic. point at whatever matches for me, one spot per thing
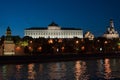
(92, 69)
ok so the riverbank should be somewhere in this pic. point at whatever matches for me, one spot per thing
(55, 58)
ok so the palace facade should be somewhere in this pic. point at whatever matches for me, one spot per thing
(53, 31)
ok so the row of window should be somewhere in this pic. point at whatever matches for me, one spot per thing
(36, 36)
(67, 33)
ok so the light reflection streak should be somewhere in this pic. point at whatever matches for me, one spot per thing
(4, 71)
(18, 74)
(31, 72)
(80, 71)
(104, 69)
(107, 69)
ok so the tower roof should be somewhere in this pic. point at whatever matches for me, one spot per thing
(8, 28)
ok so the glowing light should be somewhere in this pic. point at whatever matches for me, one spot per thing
(119, 47)
(98, 40)
(18, 48)
(63, 48)
(82, 48)
(77, 42)
(57, 50)
(31, 41)
(40, 48)
(101, 49)
(30, 48)
(50, 41)
(105, 42)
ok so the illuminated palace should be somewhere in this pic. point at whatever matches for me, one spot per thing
(111, 32)
(53, 31)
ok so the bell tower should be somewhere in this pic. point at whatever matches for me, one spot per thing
(9, 46)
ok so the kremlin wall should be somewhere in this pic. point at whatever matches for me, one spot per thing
(57, 40)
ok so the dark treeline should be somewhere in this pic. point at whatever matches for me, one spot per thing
(43, 46)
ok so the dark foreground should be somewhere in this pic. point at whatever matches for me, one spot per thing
(55, 58)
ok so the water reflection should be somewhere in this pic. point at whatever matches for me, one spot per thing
(7, 71)
(97, 69)
(4, 73)
(18, 74)
(57, 71)
(100, 66)
(80, 71)
(31, 72)
(107, 69)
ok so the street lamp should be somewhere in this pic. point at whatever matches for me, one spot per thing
(77, 42)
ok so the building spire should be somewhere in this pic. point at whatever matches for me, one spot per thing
(111, 23)
(8, 31)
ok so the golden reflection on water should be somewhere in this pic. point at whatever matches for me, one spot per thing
(104, 67)
(107, 69)
(80, 71)
(74, 70)
(31, 72)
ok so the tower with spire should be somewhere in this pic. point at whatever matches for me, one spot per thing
(8, 34)
(111, 32)
(9, 46)
(8, 31)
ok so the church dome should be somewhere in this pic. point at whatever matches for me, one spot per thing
(53, 24)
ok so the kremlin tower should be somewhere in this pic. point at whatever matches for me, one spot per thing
(9, 46)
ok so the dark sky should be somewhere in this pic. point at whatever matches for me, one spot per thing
(89, 15)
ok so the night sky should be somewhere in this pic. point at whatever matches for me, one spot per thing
(89, 15)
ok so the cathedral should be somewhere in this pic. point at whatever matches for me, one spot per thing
(111, 32)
